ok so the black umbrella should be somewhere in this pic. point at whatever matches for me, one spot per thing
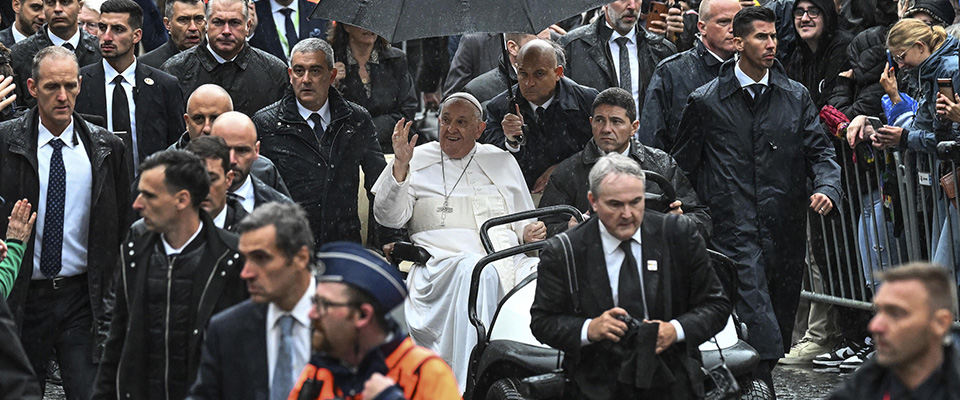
(399, 20)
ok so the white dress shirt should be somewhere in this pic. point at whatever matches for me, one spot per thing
(17, 36)
(246, 195)
(614, 257)
(634, 59)
(220, 60)
(76, 210)
(129, 85)
(324, 112)
(301, 332)
(281, 22)
(220, 219)
(170, 250)
(747, 81)
(57, 41)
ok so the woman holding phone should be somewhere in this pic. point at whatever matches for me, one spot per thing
(928, 53)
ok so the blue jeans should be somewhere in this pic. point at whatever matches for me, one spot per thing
(878, 246)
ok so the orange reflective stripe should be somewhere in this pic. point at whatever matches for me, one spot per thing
(319, 375)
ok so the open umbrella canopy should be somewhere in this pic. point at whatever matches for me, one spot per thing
(399, 20)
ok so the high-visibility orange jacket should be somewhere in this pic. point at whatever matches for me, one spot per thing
(419, 373)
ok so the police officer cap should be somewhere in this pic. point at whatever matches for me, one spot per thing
(350, 263)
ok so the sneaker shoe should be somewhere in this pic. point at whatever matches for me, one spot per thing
(851, 364)
(843, 351)
(803, 352)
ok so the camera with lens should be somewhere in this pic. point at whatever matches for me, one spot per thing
(949, 151)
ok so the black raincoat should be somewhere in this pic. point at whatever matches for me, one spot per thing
(750, 166)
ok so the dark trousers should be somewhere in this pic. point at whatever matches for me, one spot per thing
(59, 321)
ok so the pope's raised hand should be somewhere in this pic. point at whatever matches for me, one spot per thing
(402, 148)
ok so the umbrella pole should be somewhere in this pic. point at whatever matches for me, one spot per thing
(511, 95)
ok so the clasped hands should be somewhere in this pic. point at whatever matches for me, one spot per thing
(608, 327)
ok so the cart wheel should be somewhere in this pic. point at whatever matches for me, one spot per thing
(505, 389)
(755, 389)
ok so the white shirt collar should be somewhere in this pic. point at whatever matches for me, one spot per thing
(300, 312)
(217, 57)
(610, 242)
(129, 74)
(57, 41)
(17, 36)
(632, 35)
(246, 194)
(746, 80)
(44, 135)
(221, 218)
(324, 112)
(170, 250)
(544, 105)
(712, 53)
(275, 7)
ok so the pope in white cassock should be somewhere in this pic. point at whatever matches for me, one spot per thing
(442, 193)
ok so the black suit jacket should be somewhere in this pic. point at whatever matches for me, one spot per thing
(159, 105)
(696, 298)
(6, 37)
(234, 360)
(266, 38)
(21, 59)
(590, 63)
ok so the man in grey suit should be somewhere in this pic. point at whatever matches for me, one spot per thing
(263, 342)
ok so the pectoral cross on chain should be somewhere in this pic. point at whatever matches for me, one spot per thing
(444, 210)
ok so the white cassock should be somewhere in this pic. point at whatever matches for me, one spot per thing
(491, 186)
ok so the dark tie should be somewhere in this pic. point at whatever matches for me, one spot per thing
(631, 292)
(752, 92)
(51, 260)
(291, 30)
(317, 126)
(121, 121)
(540, 111)
(69, 46)
(282, 373)
(626, 83)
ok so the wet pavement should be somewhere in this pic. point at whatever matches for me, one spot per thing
(803, 383)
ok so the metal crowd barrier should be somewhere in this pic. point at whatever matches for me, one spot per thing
(894, 211)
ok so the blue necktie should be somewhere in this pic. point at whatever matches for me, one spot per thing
(51, 260)
(291, 33)
(283, 370)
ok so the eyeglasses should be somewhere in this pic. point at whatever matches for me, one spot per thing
(813, 12)
(323, 304)
(899, 58)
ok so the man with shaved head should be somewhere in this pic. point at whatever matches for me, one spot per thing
(441, 211)
(240, 135)
(207, 103)
(550, 119)
(321, 142)
(681, 74)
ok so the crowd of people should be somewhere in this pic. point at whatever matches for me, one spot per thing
(217, 243)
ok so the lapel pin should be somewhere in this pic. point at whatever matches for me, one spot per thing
(148, 81)
(651, 265)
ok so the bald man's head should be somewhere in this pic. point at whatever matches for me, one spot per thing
(538, 70)
(205, 104)
(238, 131)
